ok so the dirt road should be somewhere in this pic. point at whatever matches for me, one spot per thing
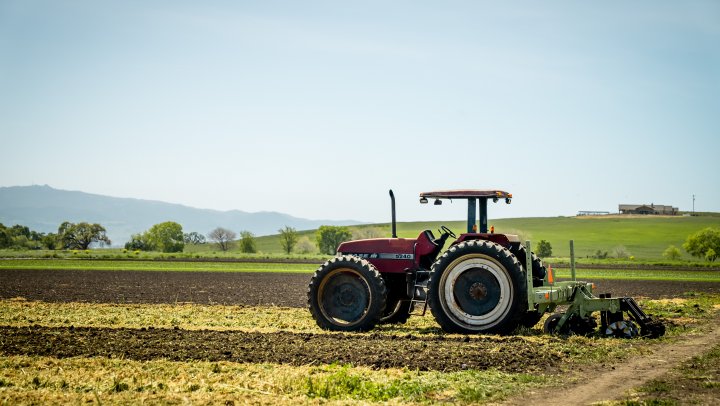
(602, 383)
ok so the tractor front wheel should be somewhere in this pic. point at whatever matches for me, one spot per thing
(347, 294)
(477, 287)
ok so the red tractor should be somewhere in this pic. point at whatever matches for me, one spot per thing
(478, 285)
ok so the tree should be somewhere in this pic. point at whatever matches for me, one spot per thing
(50, 241)
(544, 249)
(81, 235)
(194, 238)
(671, 253)
(711, 255)
(305, 246)
(5, 237)
(166, 237)
(247, 242)
(288, 239)
(700, 243)
(223, 237)
(20, 231)
(139, 242)
(330, 237)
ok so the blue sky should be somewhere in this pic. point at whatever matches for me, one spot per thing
(317, 108)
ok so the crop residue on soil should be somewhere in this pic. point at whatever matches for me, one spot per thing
(512, 354)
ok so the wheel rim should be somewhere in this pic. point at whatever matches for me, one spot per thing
(344, 297)
(476, 291)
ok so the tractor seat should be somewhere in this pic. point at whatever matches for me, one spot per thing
(431, 237)
(430, 257)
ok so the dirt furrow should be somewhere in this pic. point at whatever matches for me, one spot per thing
(511, 354)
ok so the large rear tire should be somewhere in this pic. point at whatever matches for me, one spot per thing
(346, 294)
(477, 287)
(538, 268)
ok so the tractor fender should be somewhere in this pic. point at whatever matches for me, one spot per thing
(501, 239)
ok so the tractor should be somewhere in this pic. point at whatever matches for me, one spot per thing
(484, 283)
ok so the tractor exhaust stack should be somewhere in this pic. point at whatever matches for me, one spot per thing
(392, 208)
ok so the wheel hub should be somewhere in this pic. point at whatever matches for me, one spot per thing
(344, 298)
(347, 296)
(478, 291)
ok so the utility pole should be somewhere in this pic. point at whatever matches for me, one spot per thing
(693, 204)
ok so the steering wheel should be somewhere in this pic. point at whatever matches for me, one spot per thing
(447, 231)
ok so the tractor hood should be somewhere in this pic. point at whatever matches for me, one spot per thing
(380, 248)
(392, 255)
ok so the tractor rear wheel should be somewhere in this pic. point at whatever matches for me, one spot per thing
(346, 294)
(477, 287)
(538, 268)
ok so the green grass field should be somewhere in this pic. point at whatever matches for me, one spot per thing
(644, 237)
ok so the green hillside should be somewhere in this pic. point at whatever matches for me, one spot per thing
(644, 237)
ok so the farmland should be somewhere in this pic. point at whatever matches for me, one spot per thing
(644, 238)
(111, 326)
(183, 335)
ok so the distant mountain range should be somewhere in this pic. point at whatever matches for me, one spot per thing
(43, 209)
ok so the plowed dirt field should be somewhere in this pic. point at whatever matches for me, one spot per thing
(510, 354)
(240, 288)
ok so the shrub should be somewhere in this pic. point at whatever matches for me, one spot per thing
(305, 246)
(671, 253)
(620, 252)
(543, 249)
(247, 242)
(711, 255)
(139, 242)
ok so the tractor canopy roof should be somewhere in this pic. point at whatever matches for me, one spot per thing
(466, 194)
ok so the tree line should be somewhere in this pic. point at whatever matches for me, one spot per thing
(169, 237)
(69, 236)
